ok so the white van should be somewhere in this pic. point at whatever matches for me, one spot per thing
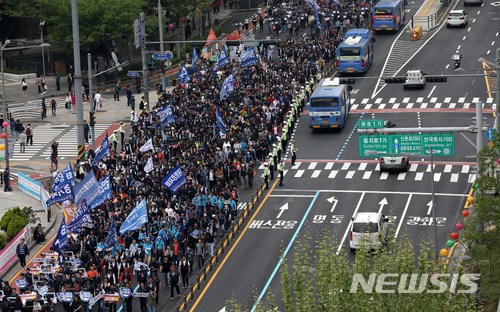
(368, 228)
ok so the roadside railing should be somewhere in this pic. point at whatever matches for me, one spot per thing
(432, 20)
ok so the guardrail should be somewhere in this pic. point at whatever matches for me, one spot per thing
(435, 19)
(224, 243)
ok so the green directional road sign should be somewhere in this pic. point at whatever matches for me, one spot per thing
(442, 144)
(370, 123)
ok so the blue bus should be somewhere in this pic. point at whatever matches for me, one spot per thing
(329, 104)
(355, 53)
(389, 15)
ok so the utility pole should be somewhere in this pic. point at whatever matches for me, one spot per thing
(162, 45)
(78, 79)
(91, 99)
(433, 207)
(498, 88)
(144, 63)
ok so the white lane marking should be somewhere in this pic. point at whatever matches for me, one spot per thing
(419, 176)
(316, 173)
(362, 166)
(430, 93)
(413, 167)
(465, 168)
(472, 177)
(345, 166)
(496, 35)
(368, 106)
(381, 106)
(447, 168)
(332, 174)
(464, 37)
(437, 176)
(329, 166)
(447, 99)
(350, 174)
(406, 100)
(452, 105)
(488, 53)
(299, 173)
(378, 100)
(403, 216)
(312, 165)
(493, 43)
(392, 100)
(429, 204)
(367, 175)
(350, 222)
(459, 46)
(384, 175)
(468, 29)
(420, 99)
(401, 176)
(454, 177)
(478, 12)
(395, 106)
(297, 164)
(473, 20)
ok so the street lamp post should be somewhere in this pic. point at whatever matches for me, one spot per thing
(43, 50)
(4, 125)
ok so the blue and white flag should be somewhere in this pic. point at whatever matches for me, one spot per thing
(66, 176)
(248, 58)
(22, 283)
(318, 22)
(220, 122)
(105, 186)
(63, 194)
(137, 218)
(147, 146)
(42, 290)
(174, 180)
(88, 188)
(148, 167)
(222, 58)
(112, 238)
(183, 75)
(65, 296)
(194, 57)
(61, 240)
(82, 218)
(313, 5)
(227, 86)
(86, 296)
(102, 150)
(166, 115)
(125, 292)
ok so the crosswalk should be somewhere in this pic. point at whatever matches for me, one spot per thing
(380, 103)
(453, 173)
(33, 109)
(43, 135)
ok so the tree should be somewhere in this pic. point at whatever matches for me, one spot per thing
(322, 279)
(101, 22)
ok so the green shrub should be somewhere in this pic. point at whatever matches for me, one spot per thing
(17, 223)
(3, 240)
(4, 222)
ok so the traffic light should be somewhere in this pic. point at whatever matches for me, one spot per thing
(92, 118)
(347, 80)
(436, 78)
(395, 79)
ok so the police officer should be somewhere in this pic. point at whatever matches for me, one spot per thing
(265, 175)
(281, 169)
(271, 165)
(122, 135)
(113, 139)
(275, 157)
(293, 150)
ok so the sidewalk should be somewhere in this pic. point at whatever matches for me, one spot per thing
(17, 198)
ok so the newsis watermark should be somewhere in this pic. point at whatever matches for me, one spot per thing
(415, 283)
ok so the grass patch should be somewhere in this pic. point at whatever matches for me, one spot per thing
(487, 261)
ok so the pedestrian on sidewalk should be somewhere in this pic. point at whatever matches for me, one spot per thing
(39, 84)
(29, 135)
(53, 104)
(58, 81)
(22, 251)
(70, 82)
(116, 93)
(97, 101)
(44, 109)
(22, 142)
(67, 101)
(73, 101)
(24, 86)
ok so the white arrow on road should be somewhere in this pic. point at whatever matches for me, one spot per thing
(382, 203)
(429, 204)
(282, 209)
(334, 201)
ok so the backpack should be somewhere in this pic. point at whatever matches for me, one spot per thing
(28, 131)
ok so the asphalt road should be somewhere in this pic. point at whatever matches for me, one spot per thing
(331, 183)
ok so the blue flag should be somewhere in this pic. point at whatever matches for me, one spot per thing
(101, 151)
(195, 57)
(166, 115)
(248, 58)
(112, 238)
(220, 122)
(66, 176)
(174, 180)
(64, 193)
(105, 186)
(227, 87)
(222, 58)
(87, 189)
(61, 240)
(183, 75)
(313, 4)
(318, 22)
(65, 296)
(82, 218)
(136, 218)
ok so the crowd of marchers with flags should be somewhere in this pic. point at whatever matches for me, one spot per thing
(149, 211)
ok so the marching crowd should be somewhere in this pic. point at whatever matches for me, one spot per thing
(183, 228)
